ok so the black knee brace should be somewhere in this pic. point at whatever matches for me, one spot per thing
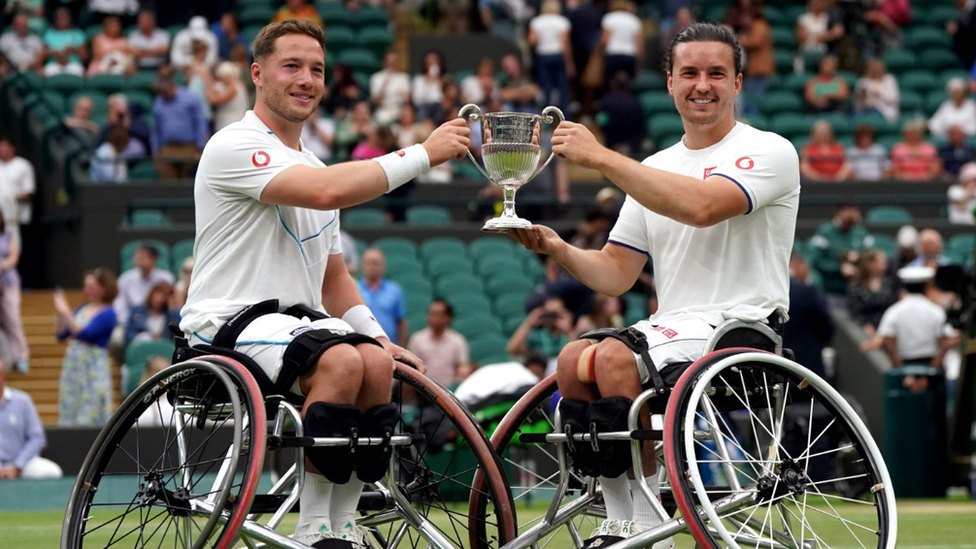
(372, 462)
(610, 414)
(323, 419)
(573, 415)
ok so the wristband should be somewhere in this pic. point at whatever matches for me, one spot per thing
(403, 165)
(363, 322)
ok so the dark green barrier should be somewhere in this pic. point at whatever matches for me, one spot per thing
(915, 433)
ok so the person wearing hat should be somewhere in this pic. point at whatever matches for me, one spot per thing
(962, 203)
(914, 330)
(958, 109)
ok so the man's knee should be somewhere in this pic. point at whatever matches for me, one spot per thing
(570, 355)
(337, 362)
(377, 362)
(616, 363)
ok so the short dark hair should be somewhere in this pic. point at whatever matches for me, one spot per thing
(151, 250)
(705, 32)
(264, 42)
(106, 279)
(447, 306)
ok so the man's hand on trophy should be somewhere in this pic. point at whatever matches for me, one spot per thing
(576, 143)
(539, 239)
(449, 141)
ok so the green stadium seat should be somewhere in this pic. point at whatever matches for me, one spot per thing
(334, 18)
(839, 122)
(943, 78)
(533, 268)
(783, 58)
(934, 100)
(936, 16)
(401, 265)
(782, 102)
(363, 217)
(377, 40)
(99, 101)
(142, 80)
(488, 349)
(359, 59)
(50, 99)
(417, 301)
(940, 60)
(445, 266)
(140, 101)
(502, 285)
(107, 83)
(783, 36)
(665, 124)
(468, 305)
(888, 215)
(510, 304)
(179, 252)
(457, 284)
(886, 244)
(136, 356)
(443, 245)
(256, 15)
(494, 265)
(244, 4)
(147, 218)
(416, 321)
(338, 37)
(791, 125)
(128, 250)
(667, 140)
(428, 215)
(911, 102)
(477, 326)
(878, 123)
(900, 61)
(757, 121)
(795, 82)
(64, 83)
(648, 81)
(656, 102)
(412, 282)
(396, 246)
(960, 248)
(143, 170)
(369, 16)
(924, 38)
(888, 141)
(487, 244)
(250, 32)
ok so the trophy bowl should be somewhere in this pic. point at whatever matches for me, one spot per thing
(511, 146)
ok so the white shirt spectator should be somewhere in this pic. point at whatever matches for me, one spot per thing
(181, 55)
(550, 28)
(159, 38)
(949, 114)
(394, 86)
(314, 142)
(133, 289)
(624, 28)
(441, 355)
(16, 178)
(115, 7)
(815, 25)
(881, 94)
(233, 110)
(108, 166)
(961, 206)
(917, 324)
(426, 91)
(868, 164)
(21, 51)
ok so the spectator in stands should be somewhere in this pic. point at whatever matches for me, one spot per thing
(449, 106)
(514, 11)
(180, 129)
(297, 9)
(120, 9)
(228, 33)
(886, 21)
(913, 158)
(622, 117)
(150, 320)
(446, 349)
(756, 40)
(86, 374)
(350, 254)
(149, 45)
(10, 321)
(929, 250)
(65, 46)
(956, 152)
(877, 91)
(962, 203)
(379, 141)
(826, 91)
(871, 291)
(519, 93)
(428, 86)
(482, 88)
(605, 312)
(958, 110)
(818, 29)
(389, 89)
(119, 114)
(33, 9)
(835, 245)
(110, 50)
(181, 54)
(811, 327)
(135, 284)
(318, 135)
(554, 66)
(182, 285)
(344, 92)
(352, 130)
(384, 297)
(622, 40)
(21, 436)
(197, 75)
(227, 95)
(108, 164)
(546, 329)
(915, 329)
(906, 241)
(81, 116)
(408, 129)
(16, 186)
(823, 158)
(20, 49)
(584, 36)
(868, 159)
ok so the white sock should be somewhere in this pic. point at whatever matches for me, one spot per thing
(644, 514)
(313, 516)
(345, 499)
(616, 495)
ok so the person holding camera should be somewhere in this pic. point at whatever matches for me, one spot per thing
(546, 329)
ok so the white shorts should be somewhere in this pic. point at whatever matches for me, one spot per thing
(680, 339)
(266, 338)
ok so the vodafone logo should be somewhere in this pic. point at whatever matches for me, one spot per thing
(260, 159)
(745, 163)
(708, 172)
(401, 154)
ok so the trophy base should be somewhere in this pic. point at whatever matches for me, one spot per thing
(503, 224)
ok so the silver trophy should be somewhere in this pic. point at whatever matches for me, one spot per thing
(510, 146)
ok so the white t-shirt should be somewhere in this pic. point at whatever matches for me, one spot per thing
(950, 115)
(737, 268)
(624, 28)
(395, 87)
(814, 25)
(549, 28)
(917, 324)
(16, 178)
(248, 251)
(158, 39)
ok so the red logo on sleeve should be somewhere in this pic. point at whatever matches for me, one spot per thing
(260, 159)
(745, 163)
(401, 154)
(708, 172)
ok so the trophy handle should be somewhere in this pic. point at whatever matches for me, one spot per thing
(474, 116)
(553, 116)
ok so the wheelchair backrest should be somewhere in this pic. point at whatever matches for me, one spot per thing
(736, 333)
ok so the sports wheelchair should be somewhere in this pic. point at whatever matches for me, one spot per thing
(749, 452)
(752, 449)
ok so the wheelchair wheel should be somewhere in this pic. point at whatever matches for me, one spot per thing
(437, 475)
(176, 466)
(752, 446)
(535, 470)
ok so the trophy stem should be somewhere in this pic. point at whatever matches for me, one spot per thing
(508, 205)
